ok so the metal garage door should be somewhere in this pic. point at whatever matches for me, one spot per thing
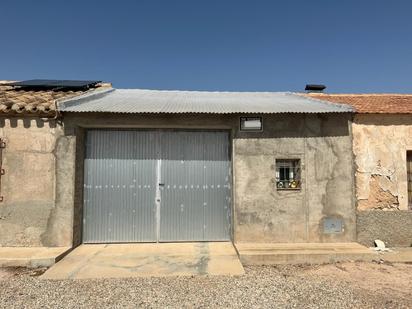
(148, 186)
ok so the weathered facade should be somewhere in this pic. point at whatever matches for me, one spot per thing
(44, 183)
(261, 213)
(380, 145)
(382, 136)
(30, 212)
(265, 214)
(28, 184)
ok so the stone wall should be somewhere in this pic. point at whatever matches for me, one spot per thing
(392, 227)
(28, 212)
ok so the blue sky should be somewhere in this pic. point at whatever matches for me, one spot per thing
(351, 46)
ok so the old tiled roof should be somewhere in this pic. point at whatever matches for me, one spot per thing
(370, 103)
(18, 101)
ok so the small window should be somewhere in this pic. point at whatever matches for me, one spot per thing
(251, 124)
(288, 174)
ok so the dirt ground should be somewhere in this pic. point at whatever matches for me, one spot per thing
(339, 285)
(385, 277)
(13, 272)
(385, 280)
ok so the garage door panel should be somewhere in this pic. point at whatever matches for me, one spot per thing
(120, 184)
(217, 176)
(181, 213)
(195, 168)
(217, 200)
(157, 185)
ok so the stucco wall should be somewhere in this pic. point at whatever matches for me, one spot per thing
(380, 143)
(28, 213)
(261, 213)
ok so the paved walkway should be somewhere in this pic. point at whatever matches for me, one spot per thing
(147, 260)
(302, 253)
(31, 256)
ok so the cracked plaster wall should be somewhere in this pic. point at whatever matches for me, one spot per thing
(380, 143)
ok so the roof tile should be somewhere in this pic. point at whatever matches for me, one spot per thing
(370, 103)
(18, 101)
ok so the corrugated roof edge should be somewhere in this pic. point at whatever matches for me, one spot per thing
(349, 107)
(96, 94)
(71, 102)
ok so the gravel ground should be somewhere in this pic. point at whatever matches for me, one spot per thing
(327, 286)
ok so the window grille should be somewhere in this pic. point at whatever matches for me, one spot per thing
(288, 174)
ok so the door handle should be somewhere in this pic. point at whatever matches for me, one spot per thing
(161, 184)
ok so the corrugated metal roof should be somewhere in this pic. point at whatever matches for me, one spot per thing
(167, 101)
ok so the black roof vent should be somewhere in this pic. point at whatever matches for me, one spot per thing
(315, 88)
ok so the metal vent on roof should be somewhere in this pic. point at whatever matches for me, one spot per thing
(52, 83)
(315, 87)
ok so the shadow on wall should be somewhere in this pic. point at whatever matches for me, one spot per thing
(191, 144)
(287, 125)
(166, 145)
(27, 122)
(301, 126)
(383, 119)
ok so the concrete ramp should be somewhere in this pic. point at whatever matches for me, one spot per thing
(147, 260)
(31, 257)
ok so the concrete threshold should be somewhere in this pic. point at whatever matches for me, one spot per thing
(31, 257)
(147, 260)
(302, 253)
